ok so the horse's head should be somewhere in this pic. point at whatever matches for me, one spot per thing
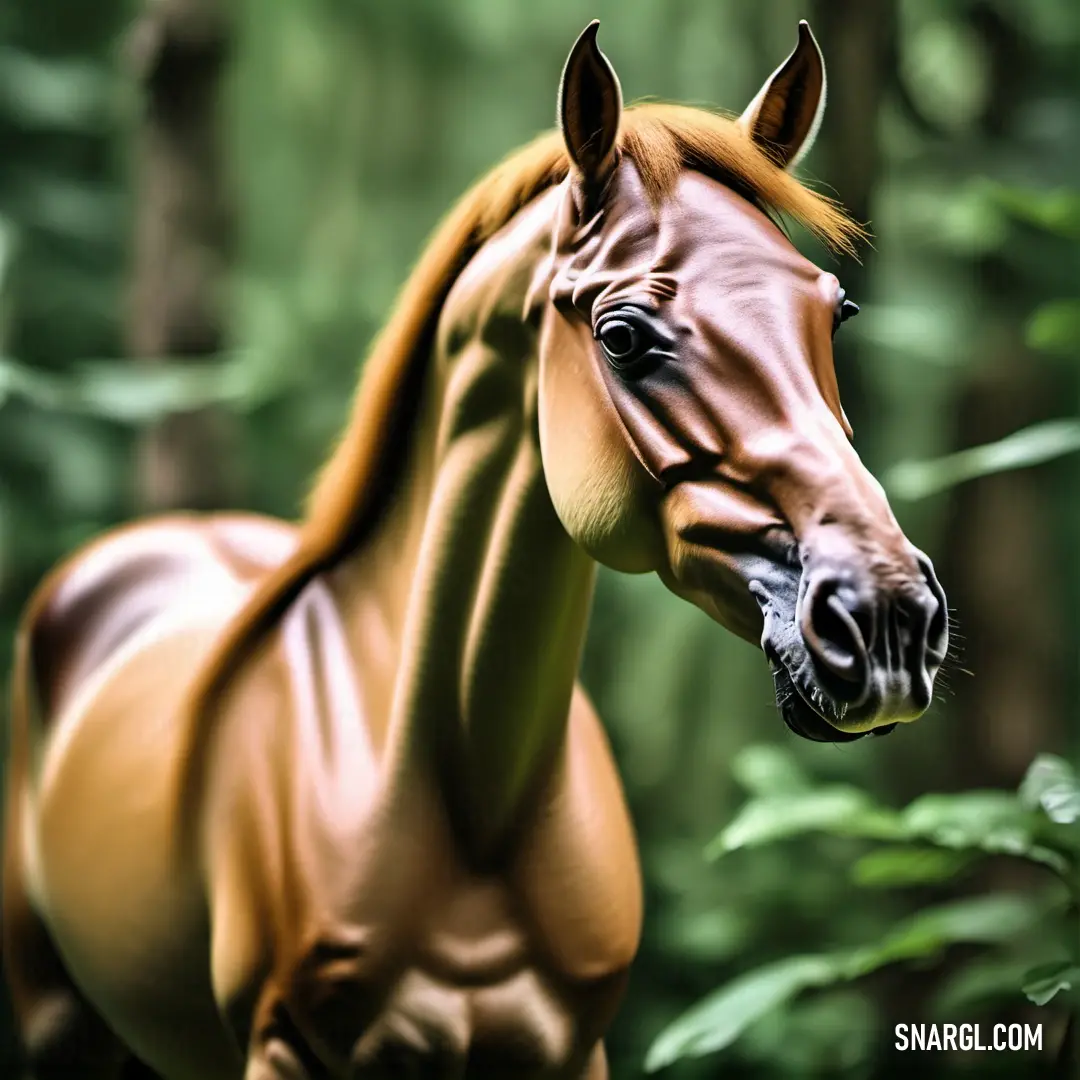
(690, 421)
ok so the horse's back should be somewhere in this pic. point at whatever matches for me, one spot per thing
(162, 572)
(112, 641)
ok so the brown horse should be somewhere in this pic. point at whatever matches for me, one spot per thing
(327, 801)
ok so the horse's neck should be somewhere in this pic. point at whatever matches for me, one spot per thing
(481, 597)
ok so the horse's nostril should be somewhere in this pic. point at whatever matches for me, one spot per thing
(937, 631)
(836, 640)
(875, 646)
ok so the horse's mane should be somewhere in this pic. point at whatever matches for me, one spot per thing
(355, 485)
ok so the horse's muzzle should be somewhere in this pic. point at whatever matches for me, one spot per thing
(861, 656)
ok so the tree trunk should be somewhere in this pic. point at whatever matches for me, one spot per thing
(178, 50)
(1000, 560)
(858, 38)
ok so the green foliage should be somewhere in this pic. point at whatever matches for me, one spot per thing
(353, 128)
(1042, 442)
(889, 868)
(962, 828)
(946, 69)
(128, 393)
(993, 822)
(1057, 211)
(840, 809)
(1051, 785)
(1044, 983)
(1032, 446)
(722, 1017)
(1055, 328)
(64, 95)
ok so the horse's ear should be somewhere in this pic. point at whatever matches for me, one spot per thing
(785, 116)
(590, 108)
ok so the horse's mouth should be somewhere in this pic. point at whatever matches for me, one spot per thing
(808, 711)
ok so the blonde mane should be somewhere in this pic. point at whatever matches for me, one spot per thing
(661, 141)
(355, 484)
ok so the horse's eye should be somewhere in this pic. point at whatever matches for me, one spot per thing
(624, 342)
(845, 309)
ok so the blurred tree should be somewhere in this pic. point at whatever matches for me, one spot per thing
(62, 216)
(183, 239)
(1001, 537)
(858, 38)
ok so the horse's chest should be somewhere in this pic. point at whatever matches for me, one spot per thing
(519, 1026)
(471, 992)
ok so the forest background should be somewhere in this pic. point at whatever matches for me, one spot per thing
(206, 208)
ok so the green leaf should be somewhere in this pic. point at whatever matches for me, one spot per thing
(1046, 772)
(839, 809)
(994, 822)
(964, 819)
(1062, 805)
(60, 94)
(984, 920)
(767, 769)
(719, 1019)
(1020, 846)
(1056, 211)
(1045, 982)
(898, 866)
(1031, 446)
(829, 1033)
(128, 392)
(1055, 328)
(1051, 785)
(946, 70)
(986, 979)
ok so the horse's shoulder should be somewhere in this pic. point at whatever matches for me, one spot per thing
(106, 591)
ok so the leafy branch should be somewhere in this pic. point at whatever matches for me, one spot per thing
(931, 840)
(1053, 328)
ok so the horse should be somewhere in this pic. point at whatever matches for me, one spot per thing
(326, 799)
